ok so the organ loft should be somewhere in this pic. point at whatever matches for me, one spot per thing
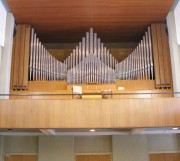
(89, 80)
(90, 68)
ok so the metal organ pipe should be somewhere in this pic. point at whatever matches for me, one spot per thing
(91, 62)
(139, 64)
(42, 65)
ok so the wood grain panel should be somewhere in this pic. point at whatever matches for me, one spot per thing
(44, 86)
(16, 60)
(20, 58)
(160, 46)
(165, 157)
(157, 157)
(12, 64)
(26, 56)
(20, 158)
(93, 157)
(102, 113)
(162, 65)
(134, 85)
(62, 90)
(172, 157)
(166, 52)
(156, 56)
(21, 55)
(67, 20)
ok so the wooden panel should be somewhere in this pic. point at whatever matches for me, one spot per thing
(162, 93)
(162, 65)
(42, 86)
(133, 85)
(160, 56)
(20, 158)
(90, 88)
(16, 60)
(172, 157)
(57, 95)
(62, 90)
(165, 157)
(93, 157)
(26, 56)
(156, 56)
(100, 113)
(157, 157)
(67, 20)
(12, 64)
(167, 62)
(20, 57)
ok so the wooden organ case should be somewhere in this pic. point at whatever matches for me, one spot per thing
(91, 65)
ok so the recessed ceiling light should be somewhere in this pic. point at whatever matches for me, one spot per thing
(175, 128)
(92, 130)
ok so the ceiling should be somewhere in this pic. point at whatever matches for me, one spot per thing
(66, 21)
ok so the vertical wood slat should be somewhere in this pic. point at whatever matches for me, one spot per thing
(156, 57)
(20, 59)
(16, 58)
(26, 56)
(12, 63)
(161, 55)
(167, 63)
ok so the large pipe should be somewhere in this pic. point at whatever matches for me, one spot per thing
(151, 53)
(31, 55)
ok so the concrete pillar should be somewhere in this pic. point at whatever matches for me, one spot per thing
(6, 55)
(174, 51)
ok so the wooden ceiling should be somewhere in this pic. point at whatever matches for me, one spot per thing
(65, 21)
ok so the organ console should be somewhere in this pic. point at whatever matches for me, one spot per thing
(90, 61)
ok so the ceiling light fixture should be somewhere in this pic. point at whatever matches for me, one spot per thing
(175, 128)
(92, 130)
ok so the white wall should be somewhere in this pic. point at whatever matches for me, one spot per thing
(174, 52)
(130, 148)
(93, 144)
(21, 144)
(177, 21)
(123, 148)
(56, 148)
(2, 23)
(164, 143)
(5, 68)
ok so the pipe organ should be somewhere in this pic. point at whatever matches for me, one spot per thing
(90, 61)
(42, 65)
(139, 64)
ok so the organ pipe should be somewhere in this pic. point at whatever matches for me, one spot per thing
(91, 62)
(139, 64)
